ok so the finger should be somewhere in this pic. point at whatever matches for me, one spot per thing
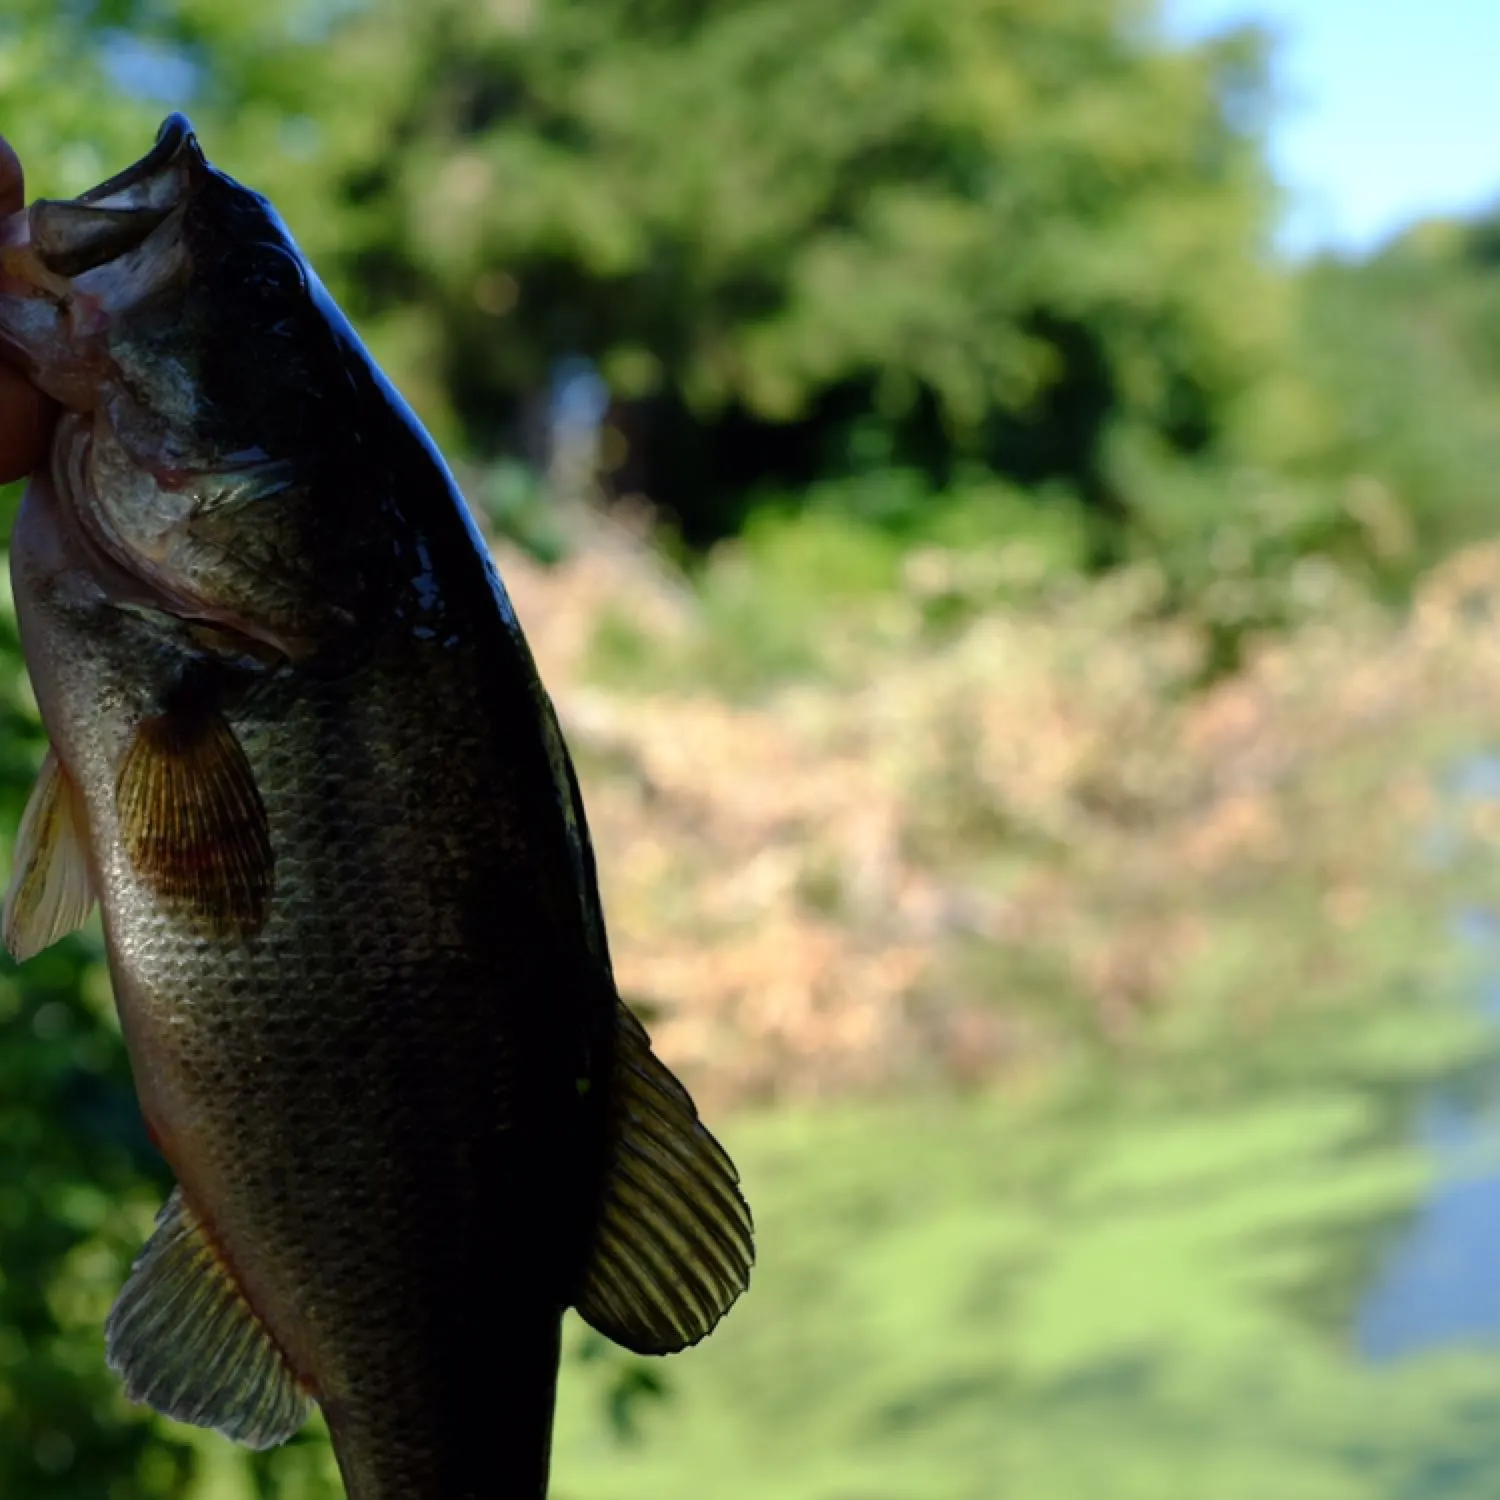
(12, 179)
(25, 421)
(25, 414)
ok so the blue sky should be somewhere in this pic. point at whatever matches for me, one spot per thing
(1389, 109)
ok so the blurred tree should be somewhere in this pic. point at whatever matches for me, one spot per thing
(1402, 350)
(995, 232)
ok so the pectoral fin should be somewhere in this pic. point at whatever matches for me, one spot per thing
(188, 1344)
(193, 821)
(673, 1247)
(50, 891)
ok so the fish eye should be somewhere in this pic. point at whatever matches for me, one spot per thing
(265, 270)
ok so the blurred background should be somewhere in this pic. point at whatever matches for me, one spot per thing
(1005, 494)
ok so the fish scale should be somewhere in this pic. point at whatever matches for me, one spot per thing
(301, 756)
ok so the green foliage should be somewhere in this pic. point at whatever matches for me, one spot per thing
(515, 503)
(68, 138)
(1402, 357)
(708, 183)
(812, 581)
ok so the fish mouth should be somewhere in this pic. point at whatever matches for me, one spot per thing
(174, 139)
(69, 266)
(70, 236)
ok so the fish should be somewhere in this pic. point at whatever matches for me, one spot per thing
(301, 759)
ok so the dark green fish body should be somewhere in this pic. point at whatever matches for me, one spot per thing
(320, 794)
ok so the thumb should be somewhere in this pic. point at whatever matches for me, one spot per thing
(25, 414)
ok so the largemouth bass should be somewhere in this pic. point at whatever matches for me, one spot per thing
(301, 758)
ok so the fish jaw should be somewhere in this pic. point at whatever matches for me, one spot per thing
(194, 468)
(70, 268)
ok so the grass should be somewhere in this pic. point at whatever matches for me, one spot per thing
(1140, 1293)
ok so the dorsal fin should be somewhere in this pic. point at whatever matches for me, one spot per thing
(673, 1247)
(188, 1344)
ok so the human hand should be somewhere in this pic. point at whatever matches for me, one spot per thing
(26, 416)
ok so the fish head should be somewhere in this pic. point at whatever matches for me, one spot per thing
(206, 379)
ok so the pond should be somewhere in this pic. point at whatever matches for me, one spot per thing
(1438, 1286)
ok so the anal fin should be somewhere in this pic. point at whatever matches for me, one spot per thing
(674, 1241)
(50, 891)
(188, 1344)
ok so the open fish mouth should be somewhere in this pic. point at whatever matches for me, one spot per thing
(70, 236)
(133, 186)
(69, 267)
